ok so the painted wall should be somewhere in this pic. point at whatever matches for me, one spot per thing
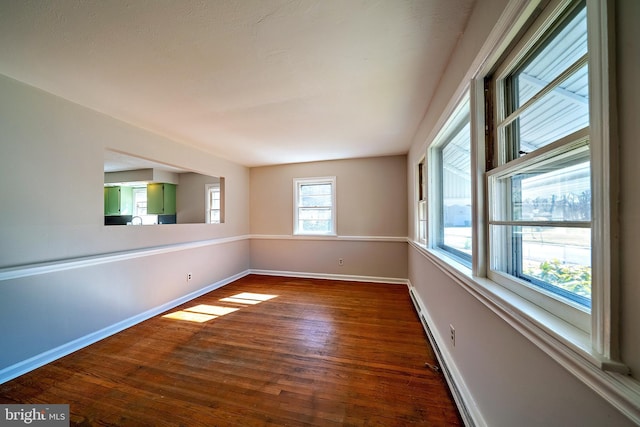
(628, 92)
(190, 197)
(512, 381)
(371, 219)
(51, 192)
(63, 274)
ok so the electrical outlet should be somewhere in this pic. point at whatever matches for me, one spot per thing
(340, 261)
(189, 277)
(452, 331)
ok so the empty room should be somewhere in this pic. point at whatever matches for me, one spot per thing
(308, 212)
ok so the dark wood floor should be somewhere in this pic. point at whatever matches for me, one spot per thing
(294, 352)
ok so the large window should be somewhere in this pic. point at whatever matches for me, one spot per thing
(315, 206)
(540, 190)
(451, 186)
(544, 187)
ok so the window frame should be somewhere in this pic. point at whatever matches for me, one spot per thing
(459, 117)
(561, 306)
(145, 218)
(421, 197)
(592, 356)
(208, 189)
(508, 160)
(297, 184)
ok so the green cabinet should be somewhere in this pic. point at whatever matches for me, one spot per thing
(161, 199)
(118, 201)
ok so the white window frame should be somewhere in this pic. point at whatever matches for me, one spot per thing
(571, 313)
(297, 184)
(455, 122)
(141, 212)
(592, 357)
(208, 189)
(599, 344)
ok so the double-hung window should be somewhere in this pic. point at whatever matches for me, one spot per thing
(214, 204)
(540, 175)
(540, 198)
(451, 186)
(421, 185)
(140, 215)
(315, 206)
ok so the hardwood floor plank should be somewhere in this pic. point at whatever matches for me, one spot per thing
(279, 351)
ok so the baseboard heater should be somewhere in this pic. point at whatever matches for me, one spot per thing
(457, 396)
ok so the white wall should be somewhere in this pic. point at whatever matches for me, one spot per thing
(190, 197)
(628, 92)
(51, 192)
(51, 187)
(371, 219)
(511, 381)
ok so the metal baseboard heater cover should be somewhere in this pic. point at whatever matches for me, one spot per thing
(457, 396)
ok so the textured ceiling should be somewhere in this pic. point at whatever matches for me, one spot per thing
(255, 81)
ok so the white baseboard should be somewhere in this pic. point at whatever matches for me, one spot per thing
(49, 356)
(466, 405)
(328, 276)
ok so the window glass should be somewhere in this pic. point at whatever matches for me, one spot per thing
(563, 194)
(540, 199)
(315, 195)
(422, 221)
(140, 208)
(557, 72)
(567, 46)
(456, 192)
(547, 191)
(315, 206)
(214, 207)
(562, 111)
(556, 259)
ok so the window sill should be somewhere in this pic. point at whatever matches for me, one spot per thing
(315, 235)
(563, 342)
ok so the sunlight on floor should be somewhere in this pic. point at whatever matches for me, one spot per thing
(203, 312)
(189, 316)
(248, 298)
(216, 310)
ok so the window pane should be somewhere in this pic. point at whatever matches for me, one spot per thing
(561, 51)
(561, 195)
(315, 189)
(314, 209)
(559, 113)
(214, 207)
(315, 200)
(322, 213)
(456, 192)
(314, 226)
(557, 259)
(422, 221)
(559, 190)
(314, 220)
(140, 201)
(564, 109)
